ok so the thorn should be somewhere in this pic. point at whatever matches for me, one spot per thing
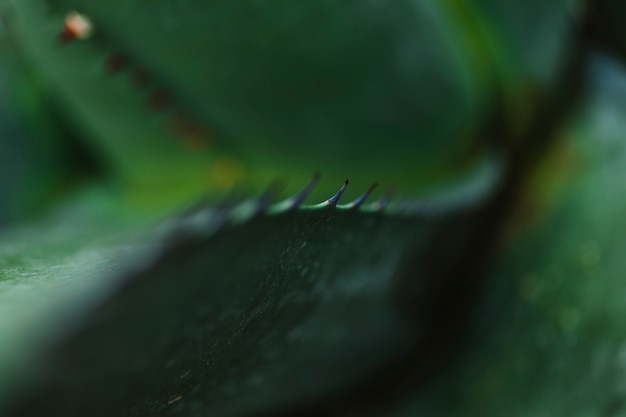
(335, 199)
(381, 203)
(299, 198)
(364, 196)
(254, 207)
(264, 200)
(296, 201)
(230, 199)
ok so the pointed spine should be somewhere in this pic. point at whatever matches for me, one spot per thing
(295, 201)
(335, 199)
(358, 201)
(380, 204)
(332, 201)
(252, 208)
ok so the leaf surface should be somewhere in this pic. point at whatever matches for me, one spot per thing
(234, 312)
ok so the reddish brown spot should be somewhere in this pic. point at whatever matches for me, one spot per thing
(158, 100)
(115, 63)
(66, 37)
(193, 135)
(139, 78)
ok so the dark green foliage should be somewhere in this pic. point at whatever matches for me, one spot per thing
(334, 78)
(279, 311)
(550, 332)
(272, 79)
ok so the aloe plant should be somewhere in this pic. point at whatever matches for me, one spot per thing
(160, 285)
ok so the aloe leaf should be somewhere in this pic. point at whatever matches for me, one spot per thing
(226, 310)
(534, 54)
(34, 150)
(111, 116)
(55, 264)
(257, 308)
(268, 82)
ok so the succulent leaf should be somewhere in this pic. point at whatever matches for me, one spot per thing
(290, 307)
(227, 313)
(275, 87)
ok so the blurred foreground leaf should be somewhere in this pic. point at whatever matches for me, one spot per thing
(239, 313)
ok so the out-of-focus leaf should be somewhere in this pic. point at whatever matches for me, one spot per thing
(34, 155)
(532, 40)
(333, 79)
(551, 336)
(137, 146)
(59, 264)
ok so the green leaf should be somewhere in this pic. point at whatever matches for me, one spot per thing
(224, 311)
(549, 338)
(33, 149)
(335, 80)
(272, 309)
(139, 151)
(533, 55)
